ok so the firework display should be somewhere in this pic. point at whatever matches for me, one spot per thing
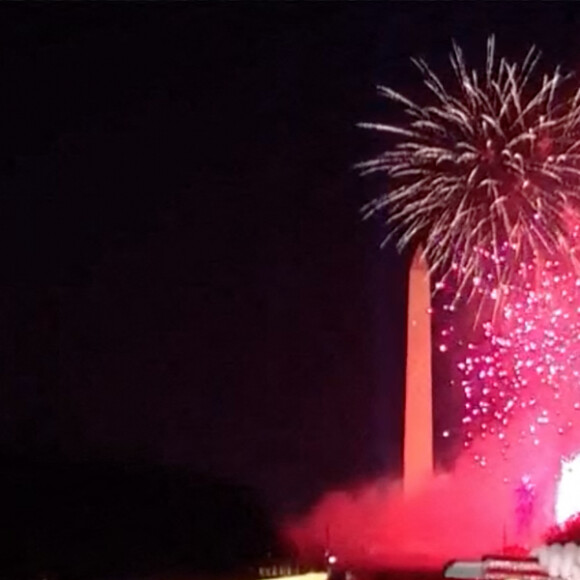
(491, 161)
(523, 363)
(486, 177)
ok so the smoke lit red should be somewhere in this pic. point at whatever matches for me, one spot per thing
(516, 362)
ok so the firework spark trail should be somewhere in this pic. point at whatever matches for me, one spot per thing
(519, 372)
(495, 160)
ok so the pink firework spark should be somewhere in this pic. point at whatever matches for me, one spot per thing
(520, 373)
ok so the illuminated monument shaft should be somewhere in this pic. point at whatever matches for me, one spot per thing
(418, 435)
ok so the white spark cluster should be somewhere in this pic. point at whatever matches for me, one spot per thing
(492, 159)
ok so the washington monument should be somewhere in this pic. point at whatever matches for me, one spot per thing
(418, 431)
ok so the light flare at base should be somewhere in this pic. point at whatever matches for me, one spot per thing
(568, 490)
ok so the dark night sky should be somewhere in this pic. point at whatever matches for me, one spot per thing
(185, 276)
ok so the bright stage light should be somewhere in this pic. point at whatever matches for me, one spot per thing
(568, 490)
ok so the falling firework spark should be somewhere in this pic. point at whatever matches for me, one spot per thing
(519, 372)
(494, 162)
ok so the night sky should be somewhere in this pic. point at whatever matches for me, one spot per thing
(186, 279)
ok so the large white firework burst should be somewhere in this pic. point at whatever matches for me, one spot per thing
(490, 167)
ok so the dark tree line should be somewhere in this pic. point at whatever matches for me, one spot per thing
(92, 520)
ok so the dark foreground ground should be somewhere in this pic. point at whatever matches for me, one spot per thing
(408, 575)
(387, 574)
(399, 575)
(106, 521)
(390, 574)
(126, 521)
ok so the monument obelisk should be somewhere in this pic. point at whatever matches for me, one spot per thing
(418, 430)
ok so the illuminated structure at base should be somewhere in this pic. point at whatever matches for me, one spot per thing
(418, 433)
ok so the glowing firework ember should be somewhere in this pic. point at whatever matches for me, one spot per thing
(525, 363)
(493, 161)
(519, 376)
